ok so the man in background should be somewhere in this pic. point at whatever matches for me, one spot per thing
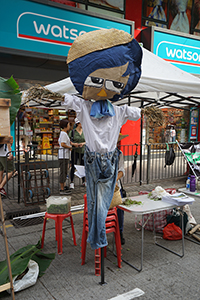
(6, 164)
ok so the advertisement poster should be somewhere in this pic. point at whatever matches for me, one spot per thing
(194, 120)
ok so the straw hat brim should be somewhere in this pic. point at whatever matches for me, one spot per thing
(97, 40)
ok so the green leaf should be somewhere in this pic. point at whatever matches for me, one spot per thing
(43, 261)
(10, 89)
(19, 262)
(20, 259)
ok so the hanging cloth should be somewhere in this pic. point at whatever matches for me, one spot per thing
(157, 13)
(101, 109)
(180, 22)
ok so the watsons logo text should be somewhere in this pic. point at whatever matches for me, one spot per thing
(32, 26)
(57, 31)
(183, 54)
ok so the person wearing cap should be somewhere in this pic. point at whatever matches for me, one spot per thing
(109, 67)
(78, 142)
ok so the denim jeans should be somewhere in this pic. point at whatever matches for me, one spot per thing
(101, 173)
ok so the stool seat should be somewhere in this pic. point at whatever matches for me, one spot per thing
(58, 218)
(112, 225)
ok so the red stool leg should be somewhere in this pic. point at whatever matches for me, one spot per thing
(83, 245)
(73, 232)
(98, 262)
(59, 221)
(118, 244)
(105, 251)
(56, 228)
(43, 232)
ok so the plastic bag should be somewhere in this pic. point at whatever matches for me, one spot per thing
(58, 205)
(172, 232)
(28, 279)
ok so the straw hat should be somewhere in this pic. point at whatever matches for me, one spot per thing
(97, 40)
(121, 137)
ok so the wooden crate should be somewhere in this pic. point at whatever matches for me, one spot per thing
(5, 121)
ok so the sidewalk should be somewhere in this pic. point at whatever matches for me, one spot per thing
(164, 275)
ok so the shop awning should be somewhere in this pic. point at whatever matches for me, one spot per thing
(161, 84)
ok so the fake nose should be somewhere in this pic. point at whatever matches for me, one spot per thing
(102, 93)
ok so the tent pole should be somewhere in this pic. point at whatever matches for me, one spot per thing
(141, 125)
(18, 157)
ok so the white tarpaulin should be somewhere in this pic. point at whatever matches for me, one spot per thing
(158, 76)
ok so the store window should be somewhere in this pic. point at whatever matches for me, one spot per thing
(178, 15)
(115, 8)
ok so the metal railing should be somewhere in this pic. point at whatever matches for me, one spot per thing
(142, 169)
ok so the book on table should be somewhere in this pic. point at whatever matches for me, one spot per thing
(179, 199)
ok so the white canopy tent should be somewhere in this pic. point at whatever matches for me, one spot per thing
(161, 83)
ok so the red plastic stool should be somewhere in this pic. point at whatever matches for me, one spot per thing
(112, 225)
(58, 228)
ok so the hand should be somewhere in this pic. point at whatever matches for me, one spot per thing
(10, 157)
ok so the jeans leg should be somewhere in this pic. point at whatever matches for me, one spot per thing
(101, 174)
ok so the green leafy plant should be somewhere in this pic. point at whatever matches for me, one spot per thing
(20, 259)
(129, 202)
(9, 89)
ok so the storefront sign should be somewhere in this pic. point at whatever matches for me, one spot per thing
(181, 51)
(35, 27)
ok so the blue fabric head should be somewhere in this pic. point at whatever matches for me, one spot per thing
(81, 68)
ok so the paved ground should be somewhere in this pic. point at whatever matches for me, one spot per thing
(164, 275)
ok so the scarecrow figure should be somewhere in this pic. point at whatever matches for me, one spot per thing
(103, 64)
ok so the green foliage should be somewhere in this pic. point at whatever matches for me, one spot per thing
(9, 89)
(20, 259)
(129, 202)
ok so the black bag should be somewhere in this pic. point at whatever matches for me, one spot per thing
(123, 191)
(169, 156)
(176, 218)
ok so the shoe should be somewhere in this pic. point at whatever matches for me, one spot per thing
(66, 188)
(122, 238)
(3, 192)
(63, 192)
(84, 184)
(71, 186)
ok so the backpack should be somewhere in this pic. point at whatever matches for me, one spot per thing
(169, 156)
(72, 135)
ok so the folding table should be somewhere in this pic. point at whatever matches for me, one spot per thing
(149, 206)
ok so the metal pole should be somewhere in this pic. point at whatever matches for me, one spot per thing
(141, 125)
(102, 267)
(18, 158)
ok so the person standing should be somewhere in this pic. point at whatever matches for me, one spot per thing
(173, 134)
(64, 154)
(6, 164)
(78, 143)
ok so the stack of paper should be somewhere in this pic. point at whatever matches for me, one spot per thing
(80, 171)
(178, 199)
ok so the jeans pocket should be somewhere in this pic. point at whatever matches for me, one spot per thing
(89, 158)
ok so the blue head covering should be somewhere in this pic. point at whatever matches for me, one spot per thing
(80, 68)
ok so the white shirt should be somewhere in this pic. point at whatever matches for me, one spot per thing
(4, 150)
(121, 168)
(100, 134)
(64, 152)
